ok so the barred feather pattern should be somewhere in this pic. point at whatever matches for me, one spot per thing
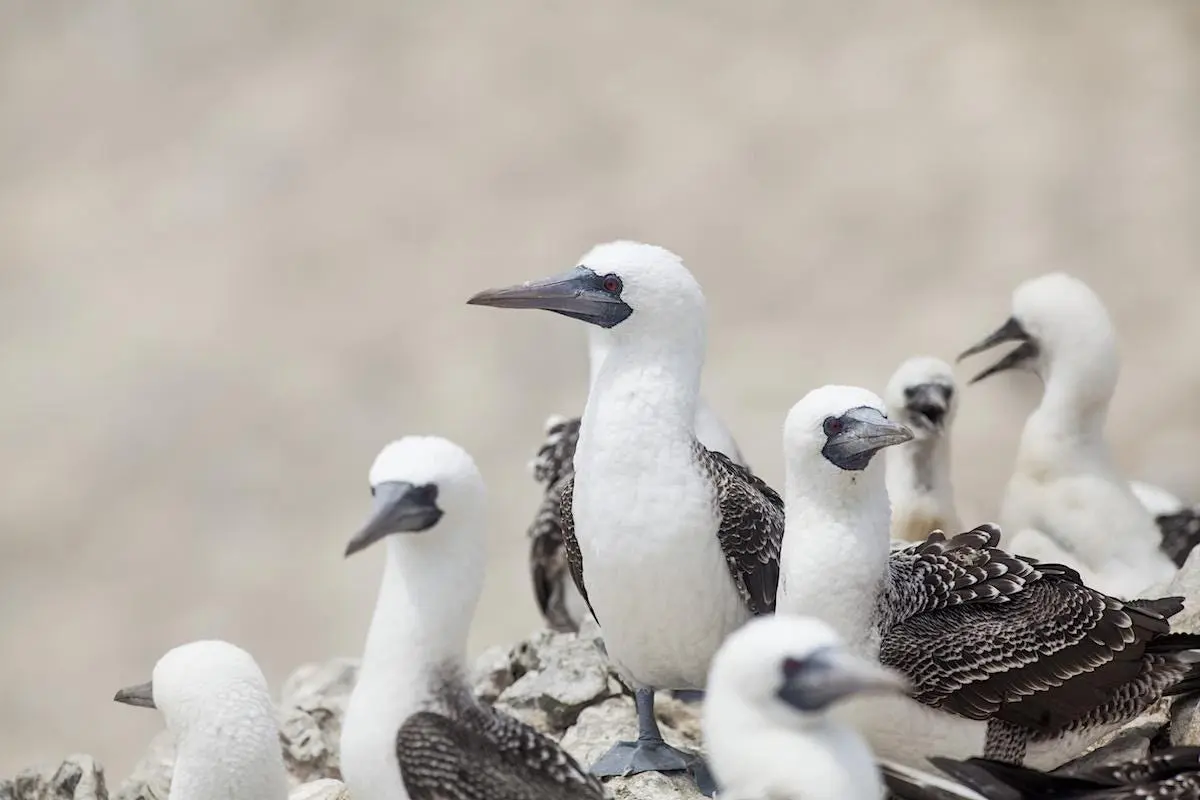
(474, 752)
(553, 467)
(991, 636)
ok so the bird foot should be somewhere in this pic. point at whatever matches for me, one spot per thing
(703, 778)
(644, 755)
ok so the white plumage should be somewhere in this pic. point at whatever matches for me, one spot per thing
(1067, 495)
(922, 394)
(215, 701)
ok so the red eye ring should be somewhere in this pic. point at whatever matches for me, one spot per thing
(611, 283)
(833, 426)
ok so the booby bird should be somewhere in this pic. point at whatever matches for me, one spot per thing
(1004, 655)
(1066, 486)
(1170, 774)
(215, 701)
(921, 395)
(766, 726)
(559, 601)
(673, 546)
(1178, 522)
(412, 729)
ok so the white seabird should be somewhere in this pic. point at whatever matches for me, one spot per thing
(1066, 487)
(767, 726)
(921, 394)
(1178, 522)
(412, 727)
(560, 603)
(1005, 657)
(673, 546)
(215, 701)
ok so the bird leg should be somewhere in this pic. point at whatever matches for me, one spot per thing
(649, 753)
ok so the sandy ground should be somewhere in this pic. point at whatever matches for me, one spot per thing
(236, 238)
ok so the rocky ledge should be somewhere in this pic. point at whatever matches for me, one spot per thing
(558, 683)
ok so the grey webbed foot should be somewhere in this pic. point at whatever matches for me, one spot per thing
(703, 778)
(644, 755)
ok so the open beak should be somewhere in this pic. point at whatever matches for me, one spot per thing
(865, 431)
(928, 404)
(399, 508)
(1010, 331)
(140, 695)
(833, 674)
(578, 294)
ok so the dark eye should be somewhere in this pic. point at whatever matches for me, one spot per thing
(833, 426)
(949, 393)
(372, 491)
(792, 666)
(611, 284)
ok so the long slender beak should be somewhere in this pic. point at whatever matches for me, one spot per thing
(578, 294)
(140, 695)
(1010, 331)
(399, 508)
(864, 432)
(833, 674)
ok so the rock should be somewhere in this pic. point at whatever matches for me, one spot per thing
(492, 674)
(323, 789)
(1185, 722)
(151, 778)
(78, 777)
(313, 701)
(1186, 583)
(571, 676)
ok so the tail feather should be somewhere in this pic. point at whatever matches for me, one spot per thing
(996, 780)
(907, 783)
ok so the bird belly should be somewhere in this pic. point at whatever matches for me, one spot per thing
(663, 596)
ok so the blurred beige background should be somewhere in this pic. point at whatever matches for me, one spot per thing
(236, 240)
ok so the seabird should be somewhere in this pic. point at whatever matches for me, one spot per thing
(1170, 774)
(922, 396)
(1066, 487)
(412, 729)
(559, 601)
(215, 701)
(766, 727)
(1008, 658)
(672, 545)
(1178, 522)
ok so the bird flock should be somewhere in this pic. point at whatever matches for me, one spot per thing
(847, 637)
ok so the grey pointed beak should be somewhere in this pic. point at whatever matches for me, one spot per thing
(862, 432)
(141, 695)
(928, 404)
(833, 674)
(578, 294)
(1010, 331)
(399, 508)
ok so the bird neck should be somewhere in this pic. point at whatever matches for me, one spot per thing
(598, 347)
(647, 387)
(918, 479)
(431, 585)
(232, 751)
(833, 562)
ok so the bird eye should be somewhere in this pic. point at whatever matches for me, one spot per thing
(611, 284)
(792, 666)
(833, 426)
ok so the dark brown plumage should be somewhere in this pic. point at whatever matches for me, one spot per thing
(547, 560)
(475, 752)
(1026, 646)
(1180, 533)
(1172, 774)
